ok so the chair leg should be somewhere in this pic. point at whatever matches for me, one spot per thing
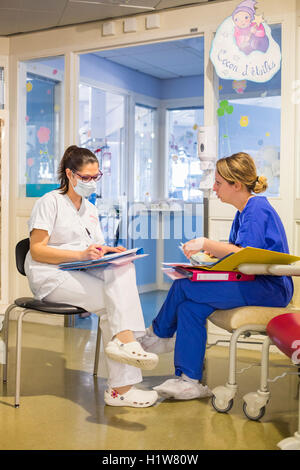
(254, 406)
(69, 321)
(6, 332)
(18, 358)
(97, 352)
(233, 348)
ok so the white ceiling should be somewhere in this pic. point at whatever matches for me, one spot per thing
(171, 59)
(23, 16)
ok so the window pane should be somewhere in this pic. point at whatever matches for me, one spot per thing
(41, 137)
(144, 152)
(101, 129)
(249, 116)
(184, 164)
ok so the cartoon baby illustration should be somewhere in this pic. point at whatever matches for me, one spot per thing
(249, 32)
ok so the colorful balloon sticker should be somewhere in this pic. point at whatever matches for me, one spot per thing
(43, 135)
(244, 121)
(239, 86)
(225, 107)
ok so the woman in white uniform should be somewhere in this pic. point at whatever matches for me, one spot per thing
(64, 227)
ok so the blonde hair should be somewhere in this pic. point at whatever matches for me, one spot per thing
(240, 167)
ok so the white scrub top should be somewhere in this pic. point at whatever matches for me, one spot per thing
(68, 228)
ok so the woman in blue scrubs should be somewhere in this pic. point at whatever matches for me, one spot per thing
(189, 304)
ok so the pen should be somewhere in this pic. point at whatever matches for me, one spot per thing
(89, 234)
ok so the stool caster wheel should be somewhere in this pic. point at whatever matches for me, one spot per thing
(222, 399)
(214, 402)
(253, 415)
(254, 406)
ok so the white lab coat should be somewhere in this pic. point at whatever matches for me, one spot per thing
(113, 288)
(68, 229)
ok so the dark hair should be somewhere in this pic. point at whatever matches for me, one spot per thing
(74, 158)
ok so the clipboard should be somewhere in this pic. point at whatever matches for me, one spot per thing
(251, 255)
(248, 255)
(112, 258)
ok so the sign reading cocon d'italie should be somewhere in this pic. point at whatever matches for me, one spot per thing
(243, 47)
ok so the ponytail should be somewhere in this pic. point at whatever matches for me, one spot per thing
(74, 158)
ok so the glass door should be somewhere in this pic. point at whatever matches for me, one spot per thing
(183, 162)
(101, 129)
(145, 152)
(41, 129)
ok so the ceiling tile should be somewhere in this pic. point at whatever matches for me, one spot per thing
(169, 59)
(76, 13)
(8, 22)
(177, 3)
(41, 5)
(27, 20)
(68, 12)
(82, 12)
(140, 66)
(10, 4)
(129, 4)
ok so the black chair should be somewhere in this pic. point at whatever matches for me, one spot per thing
(29, 304)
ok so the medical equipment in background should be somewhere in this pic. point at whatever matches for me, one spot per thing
(207, 153)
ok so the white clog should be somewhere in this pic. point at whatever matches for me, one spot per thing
(131, 353)
(134, 397)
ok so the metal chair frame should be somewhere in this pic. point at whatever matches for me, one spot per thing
(20, 303)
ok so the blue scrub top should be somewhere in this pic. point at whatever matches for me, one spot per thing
(259, 226)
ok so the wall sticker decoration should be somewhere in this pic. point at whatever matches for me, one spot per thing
(243, 47)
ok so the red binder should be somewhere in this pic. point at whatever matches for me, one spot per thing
(201, 275)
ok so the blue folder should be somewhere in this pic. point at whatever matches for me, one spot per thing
(101, 262)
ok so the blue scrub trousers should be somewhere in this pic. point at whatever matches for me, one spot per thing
(186, 308)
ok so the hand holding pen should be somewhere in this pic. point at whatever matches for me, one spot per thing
(94, 251)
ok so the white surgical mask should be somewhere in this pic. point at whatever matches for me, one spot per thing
(85, 189)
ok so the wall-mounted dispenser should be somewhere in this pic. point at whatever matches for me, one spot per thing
(207, 153)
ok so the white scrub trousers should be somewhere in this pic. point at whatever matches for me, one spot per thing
(113, 289)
